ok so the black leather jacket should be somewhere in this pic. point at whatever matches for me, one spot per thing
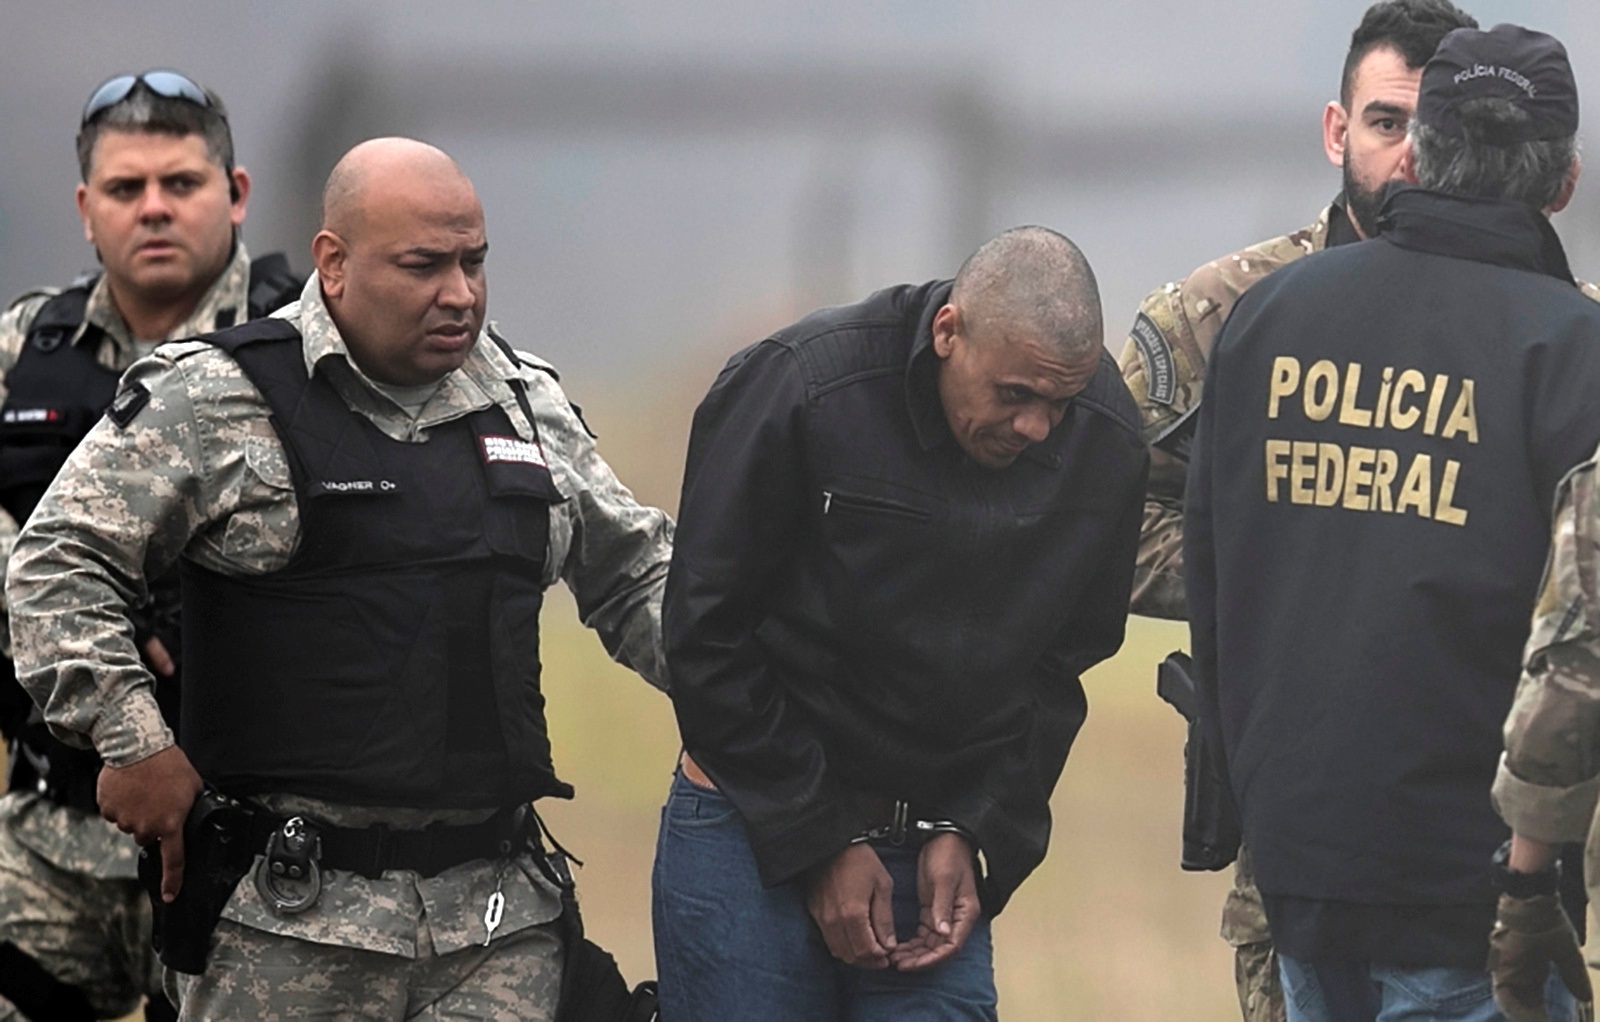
(858, 612)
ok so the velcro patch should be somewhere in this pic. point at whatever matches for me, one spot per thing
(29, 416)
(514, 450)
(127, 404)
(1160, 374)
(353, 487)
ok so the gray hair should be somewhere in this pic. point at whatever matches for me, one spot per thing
(144, 110)
(1475, 166)
(1033, 281)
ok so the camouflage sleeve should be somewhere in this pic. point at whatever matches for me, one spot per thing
(129, 499)
(1549, 777)
(616, 550)
(1163, 366)
(14, 325)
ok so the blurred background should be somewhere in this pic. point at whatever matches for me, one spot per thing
(667, 182)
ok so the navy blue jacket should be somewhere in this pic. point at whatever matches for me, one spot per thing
(1367, 518)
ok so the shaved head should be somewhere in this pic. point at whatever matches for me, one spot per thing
(1019, 338)
(382, 160)
(400, 259)
(1033, 282)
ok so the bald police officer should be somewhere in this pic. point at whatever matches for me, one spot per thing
(1365, 522)
(162, 203)
(367, 495)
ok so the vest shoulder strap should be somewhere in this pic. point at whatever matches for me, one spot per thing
(59, 317)
(520, 387)
(272, 284)
(269, 352)
(256, 331)
(27, 296)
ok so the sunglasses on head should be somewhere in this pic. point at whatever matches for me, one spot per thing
(168, 84)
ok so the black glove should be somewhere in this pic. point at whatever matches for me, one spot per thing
(1530, 935)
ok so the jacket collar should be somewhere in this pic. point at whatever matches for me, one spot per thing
(481, 381)
(1336, 226)
(1494, 231)
(221, 306)
(922, 373)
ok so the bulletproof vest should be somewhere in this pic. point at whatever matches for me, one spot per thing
(394, 660)
(55, 392)
(58, 390)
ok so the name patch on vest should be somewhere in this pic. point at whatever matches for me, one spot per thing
(30, 415)
(354, 487)
(127, 403)
(510, 449)
(1161, 376)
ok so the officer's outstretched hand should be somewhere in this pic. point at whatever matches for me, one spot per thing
(150, 800)
(850, 903)
(157, 658)
(1530, 935)
(947, 888)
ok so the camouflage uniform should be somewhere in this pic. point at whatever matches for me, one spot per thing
(1164, 364)
(68, 896)
(1549, 777)
(200, 472)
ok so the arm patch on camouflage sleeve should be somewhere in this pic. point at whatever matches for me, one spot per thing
(128, 402)
(1160, 373)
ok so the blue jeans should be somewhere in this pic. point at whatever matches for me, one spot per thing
(730, 950)
(1412, 994)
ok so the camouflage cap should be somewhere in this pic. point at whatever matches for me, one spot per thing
(1507, 62)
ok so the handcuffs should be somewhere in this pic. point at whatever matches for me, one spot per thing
(291, 855)
(901, 826)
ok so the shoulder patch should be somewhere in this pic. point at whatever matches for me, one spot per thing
(1161, 376)
(127, 404)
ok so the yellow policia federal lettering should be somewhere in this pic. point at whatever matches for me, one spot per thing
(1359, 478)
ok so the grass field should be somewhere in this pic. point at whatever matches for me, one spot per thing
(1108, 928)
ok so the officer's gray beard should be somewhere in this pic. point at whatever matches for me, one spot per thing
(1362, 205)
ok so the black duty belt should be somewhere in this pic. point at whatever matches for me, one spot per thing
(428, 851)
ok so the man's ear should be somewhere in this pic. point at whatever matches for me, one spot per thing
(1408, 163)
(946, 325)
(238, 194)
(83, 212)
(329, 254)
(1335, 132)
(1568, 185)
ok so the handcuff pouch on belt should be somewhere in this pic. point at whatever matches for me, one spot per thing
(289, 878)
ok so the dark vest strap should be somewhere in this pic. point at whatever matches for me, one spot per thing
(55, 392)
(272, 285)
(57, 318)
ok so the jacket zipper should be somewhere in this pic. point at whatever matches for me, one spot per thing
(857, 502)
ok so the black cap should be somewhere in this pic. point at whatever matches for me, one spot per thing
(1509, 62)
